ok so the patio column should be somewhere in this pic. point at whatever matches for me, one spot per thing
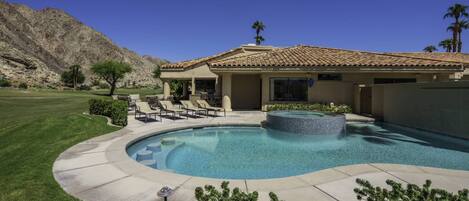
(184, 88)
(264, 91)
(217, 87)
(226, 92)
(166, 89)
(193, 86)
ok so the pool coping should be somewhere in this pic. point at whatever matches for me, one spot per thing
(100, 169)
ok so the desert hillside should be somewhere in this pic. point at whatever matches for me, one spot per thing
(37, 45)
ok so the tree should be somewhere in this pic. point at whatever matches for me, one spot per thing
(73, 77)
(430, 48)
(462, 25)
(111, 72)
(4, 82)
(157, 72)
(456, 11)
(446, 44)
(258, 26)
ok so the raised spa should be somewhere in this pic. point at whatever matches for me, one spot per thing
(259, 153)
(306, 122)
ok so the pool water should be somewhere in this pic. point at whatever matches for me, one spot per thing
(258, 153)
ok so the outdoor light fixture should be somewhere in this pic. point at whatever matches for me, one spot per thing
(165, 192)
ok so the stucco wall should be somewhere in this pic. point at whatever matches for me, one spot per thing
(338, 92)
(439, 107)
(246, 91)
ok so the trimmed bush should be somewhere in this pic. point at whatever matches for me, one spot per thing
(340, 109)
(412, 192)
(119, 112)
(115, 109)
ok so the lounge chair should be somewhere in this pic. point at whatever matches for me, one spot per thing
(152, 101)
(144, 108)
(134, 98)
(187, 105)
(205, 105)
(168, 107)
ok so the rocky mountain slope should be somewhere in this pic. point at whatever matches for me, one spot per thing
(37, 45)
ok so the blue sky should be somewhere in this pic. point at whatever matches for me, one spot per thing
(179, 30)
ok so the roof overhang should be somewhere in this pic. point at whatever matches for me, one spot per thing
(340, 69)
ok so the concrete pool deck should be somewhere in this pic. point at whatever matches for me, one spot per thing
(100, 169)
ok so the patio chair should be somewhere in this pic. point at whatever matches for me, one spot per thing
(205, 105)
(144, 108)
(168, 107)
(152, 101)
(187, 105)
(133, 98)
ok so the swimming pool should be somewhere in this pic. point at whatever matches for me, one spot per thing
(258, 153)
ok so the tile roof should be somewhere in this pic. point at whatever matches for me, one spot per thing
(191, 63)
(309, 56)
(444, 56)
(203, 60)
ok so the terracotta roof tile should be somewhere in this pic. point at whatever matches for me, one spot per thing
(310, 56)
(443, 56)
(190, 63)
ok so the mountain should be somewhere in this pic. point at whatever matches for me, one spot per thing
(37, 45)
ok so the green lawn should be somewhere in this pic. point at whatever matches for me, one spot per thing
(35, 127)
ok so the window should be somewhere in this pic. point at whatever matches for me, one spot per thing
(394, 80)
(334, 76)
(288, 89)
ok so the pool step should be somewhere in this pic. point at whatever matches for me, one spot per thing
(149, 163)
(144, 155)
(155, 147)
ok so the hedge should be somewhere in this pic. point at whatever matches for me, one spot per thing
(115, 109)
(340, 109)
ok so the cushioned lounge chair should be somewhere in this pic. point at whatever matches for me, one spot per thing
(144, 108)
(204, 104)
(168, 107)
(187, 105)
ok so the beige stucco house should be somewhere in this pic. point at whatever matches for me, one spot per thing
(251, 77)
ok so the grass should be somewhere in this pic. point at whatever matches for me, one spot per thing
(35, 127)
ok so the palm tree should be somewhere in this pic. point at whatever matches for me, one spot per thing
(258, 26)
(456, 11)
(430, 48)
(462, 25)
(446, 44)
(454, 40)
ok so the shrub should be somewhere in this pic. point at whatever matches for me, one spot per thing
(4, 82)
(311, 107)
(119, 112)
(23, 85)
(412, 192)
(85, 87)
(209, 193)
(115, 109)
(103, 85)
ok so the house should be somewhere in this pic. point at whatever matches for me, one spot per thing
(251, 77)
